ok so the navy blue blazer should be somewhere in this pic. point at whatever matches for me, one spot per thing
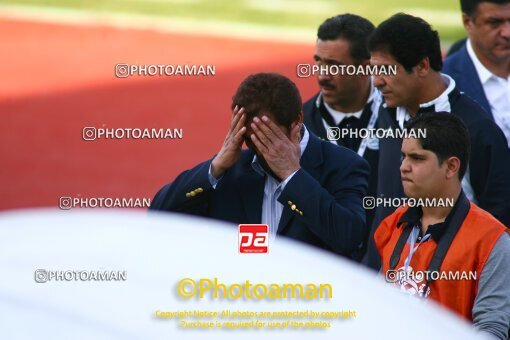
(460, 67)
(328, 190)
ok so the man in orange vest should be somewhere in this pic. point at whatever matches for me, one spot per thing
(440, 245)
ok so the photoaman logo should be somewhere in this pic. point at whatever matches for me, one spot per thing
(253, 238)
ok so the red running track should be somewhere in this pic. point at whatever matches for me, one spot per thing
(57, 79)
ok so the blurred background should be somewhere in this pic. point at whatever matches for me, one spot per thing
(57, 76)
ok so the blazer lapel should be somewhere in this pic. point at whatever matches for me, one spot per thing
(317, 119)
(470, 81)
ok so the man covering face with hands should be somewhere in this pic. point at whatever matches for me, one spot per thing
(300, 186)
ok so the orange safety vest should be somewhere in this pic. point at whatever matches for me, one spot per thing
(455, 287)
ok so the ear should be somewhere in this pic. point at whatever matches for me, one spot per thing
(452, 167)
(300, 118)
(467, 22)
(295, 129)
(423, 67)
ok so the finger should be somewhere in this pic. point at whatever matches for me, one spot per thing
(234, 112)
(236, 116)
(238, 137)
(260, 135)
(261, 147)
(240, 124)
(276, 130)
(268, 133)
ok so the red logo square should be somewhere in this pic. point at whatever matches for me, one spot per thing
(253, 238)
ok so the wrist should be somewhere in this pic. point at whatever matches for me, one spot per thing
(217, 169)
(289, 173)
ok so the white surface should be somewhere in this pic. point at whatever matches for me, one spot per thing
(159, 250)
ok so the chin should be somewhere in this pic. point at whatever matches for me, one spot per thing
(409, 191)
(390, 103)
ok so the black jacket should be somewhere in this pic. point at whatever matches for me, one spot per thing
(489, 165)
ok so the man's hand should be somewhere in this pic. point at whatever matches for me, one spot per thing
(232, 146)
(281, 153)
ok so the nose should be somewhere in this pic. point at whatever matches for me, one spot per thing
(404, 166)
(323, 76)
(379, 81)
(505, 30)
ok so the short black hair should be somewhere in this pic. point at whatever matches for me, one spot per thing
(408, 39)
(351, 27)
(269, 93)
(446, 136)
(470, 7)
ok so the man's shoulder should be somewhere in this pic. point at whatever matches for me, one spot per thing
(339, 157)
(388, 226)
(454, 61)
(470, 111)
(481, 220)
(392, 219)
(309, 105)
(337, 152)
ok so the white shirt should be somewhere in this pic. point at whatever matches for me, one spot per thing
(497, 91)
(441, 103)
(375, 98)
(271, 208)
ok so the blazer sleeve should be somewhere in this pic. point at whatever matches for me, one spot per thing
(334, 213)
(489, 165)
(189, 193)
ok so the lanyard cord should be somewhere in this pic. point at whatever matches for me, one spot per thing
(375, 103)
(413, 249)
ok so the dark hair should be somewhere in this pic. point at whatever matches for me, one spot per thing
(470, 7)
(446, 136)
(408, 39)
(269, 93)
(351, 27)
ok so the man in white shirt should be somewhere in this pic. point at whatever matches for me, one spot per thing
(481, 68)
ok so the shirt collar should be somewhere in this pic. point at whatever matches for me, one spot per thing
(302, 145)
(338, 116)
(412, 217)
(440, 103)
(483, 73)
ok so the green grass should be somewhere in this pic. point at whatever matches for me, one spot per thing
(305, 14)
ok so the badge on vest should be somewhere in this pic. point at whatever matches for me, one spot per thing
(413, 283)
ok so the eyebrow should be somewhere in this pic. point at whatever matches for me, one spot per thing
(497, 19)
(330, 61)
(414, 154)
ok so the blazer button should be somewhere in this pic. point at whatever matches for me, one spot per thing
(293, 207)
(193, 193)
(200, 190)
(188, 194)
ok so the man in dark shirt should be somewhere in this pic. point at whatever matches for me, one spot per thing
(411, 44)
(349, 102)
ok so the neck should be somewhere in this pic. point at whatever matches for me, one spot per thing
(432, 215)
(356, 102)
(499, 68)
(432, 88)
